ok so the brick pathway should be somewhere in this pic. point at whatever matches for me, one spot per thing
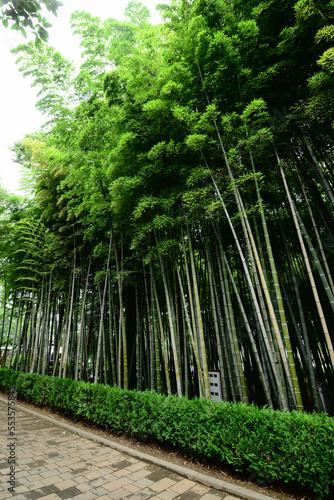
(52, 463)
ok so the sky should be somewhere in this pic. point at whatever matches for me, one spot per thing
(18, 115)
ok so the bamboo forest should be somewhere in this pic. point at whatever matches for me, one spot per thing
(180, 216)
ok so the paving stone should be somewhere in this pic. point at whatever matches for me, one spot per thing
(6, 494)
(38, 465)
(89, 495)
(121, 464)
(80, 479)
(136, 466)
(35, 485)
(167, 495)
(200, 488)
(25, 480)
(105, 470)
(158, 474)
(79, 471)
(76, 466)
(63, 485)
(49, 473)
(120, 493)
(68, 493)
(183, 486)
(100, 491)
(211, 496)
(143, 483)
(53, 496)
(63, 469)
(83, 487)
(121, 473)
(161, 485)
(104, 463)
(33, 495)
(192, 495)
(48, 490)
(139, 474)
(142, 495)
(21, 473)
(118, 483)
(65, 476)
(51, 480)
(20, 489)
(17, 497)
(99, 481)
(132, 488)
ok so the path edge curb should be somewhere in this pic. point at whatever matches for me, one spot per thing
(209, 481)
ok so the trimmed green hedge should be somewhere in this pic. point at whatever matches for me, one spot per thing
(292, 447)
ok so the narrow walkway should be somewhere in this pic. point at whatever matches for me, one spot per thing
(53, 463)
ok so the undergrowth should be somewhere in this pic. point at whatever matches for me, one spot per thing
(294, 447)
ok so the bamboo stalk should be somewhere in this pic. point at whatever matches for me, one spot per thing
(81, 330)
(68, 331)
(282, 395)
(18, 319)
(171, 323)
(162, 333)
(215, 307)
(199, 319)
(101, 329)
(262, 373)
(191, 335)
(308, 267)
(150, 334)
(123, 341)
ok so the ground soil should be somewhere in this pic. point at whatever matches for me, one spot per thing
(171, 454)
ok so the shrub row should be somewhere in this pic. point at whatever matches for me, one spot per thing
(293, 447)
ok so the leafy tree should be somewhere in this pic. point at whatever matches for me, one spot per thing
(52, 74)
(28, 14)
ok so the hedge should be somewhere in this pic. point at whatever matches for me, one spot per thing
(294, 447)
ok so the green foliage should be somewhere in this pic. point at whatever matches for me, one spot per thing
(136, 13)
(326, 61)
(8, 379)
(304, 9)
(28, 14)
(291, 447)
(196, 141)
(52, 74)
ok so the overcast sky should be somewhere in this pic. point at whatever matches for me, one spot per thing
(18, 115)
